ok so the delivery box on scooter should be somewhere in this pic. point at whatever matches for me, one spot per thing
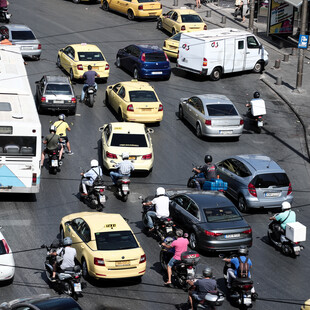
(296, 232)
(258, 107)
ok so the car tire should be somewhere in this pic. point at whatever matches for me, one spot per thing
(85, 269)
(136, 74)
(130, 15)
(118, 62)
(105, 5)
(58, 64)
(106, 99)
(242, 205)
(120, 115)
(193, 241)
(71, 75)
(173, 32)
(160, 24)
(258, 67)
(181, 114)
(216, 74)
(198, 131)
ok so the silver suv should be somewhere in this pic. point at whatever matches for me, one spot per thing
(255, 181)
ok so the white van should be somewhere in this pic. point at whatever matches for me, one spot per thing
(217, 51)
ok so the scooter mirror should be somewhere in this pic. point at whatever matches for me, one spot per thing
(221, 256)
(140, 197)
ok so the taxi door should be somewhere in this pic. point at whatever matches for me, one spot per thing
(167, 21)
(123, 6)
(72, 231)
(113, 99)
(114, 5)
(67, 59)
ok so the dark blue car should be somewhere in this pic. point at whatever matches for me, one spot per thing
(144, 61)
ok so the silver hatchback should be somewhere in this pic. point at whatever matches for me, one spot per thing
(255, 181)
(212, 115)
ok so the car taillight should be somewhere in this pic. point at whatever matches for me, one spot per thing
(101, 190)
(99, 261)
(110, 155)
(241, 122)
(107, 67)
(178, 55)
(160, 108)
(205, 27)
(212, 234)
(248, 231)
(34, 179)
(208, 122)
(143, 57)
(80, 67)
(39, 46)
(164, 43)
(183, 28)
(289, 191)
(73, 100)
(247, 287)
(140, 7)
(43, 99)
(161, 6)
(189, 267)
(7, 250)
(142, 259)
(205, 62)
(148, 156)
(252, 190)
(167, 59)
(130, 108)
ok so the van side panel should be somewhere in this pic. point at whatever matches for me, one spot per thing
(215, 54)
(229, 55)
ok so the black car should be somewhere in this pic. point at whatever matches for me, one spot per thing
(211, 220)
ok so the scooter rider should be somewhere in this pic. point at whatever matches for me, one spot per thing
(201, 287)
(161, 202)
(89, 78)
(256, 98)
(208, 170)
(283, 218)
(61, 129)
(52, 143)
(125, 168)
(90, 176)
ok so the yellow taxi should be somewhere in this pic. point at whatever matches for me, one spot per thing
(106, 246)
(131, 138)
(135, 101)
(134, 8)
(75, 59)
(171, 45)
(181, 20)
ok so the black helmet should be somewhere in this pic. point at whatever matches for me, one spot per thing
(207, 272)
(208, 159)
(256, 94)
(243, 250)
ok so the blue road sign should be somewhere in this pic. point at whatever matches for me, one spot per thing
(303, 41)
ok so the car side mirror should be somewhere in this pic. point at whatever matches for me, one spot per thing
(61, 50)
(184, 101)
(150, 130)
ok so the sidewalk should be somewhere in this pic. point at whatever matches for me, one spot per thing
(298, 101)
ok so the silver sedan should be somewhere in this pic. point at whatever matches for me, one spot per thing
(212, 115)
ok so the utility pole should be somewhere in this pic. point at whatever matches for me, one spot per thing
(301, 52)
(251, 19)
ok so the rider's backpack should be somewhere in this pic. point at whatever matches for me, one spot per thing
(243, 269)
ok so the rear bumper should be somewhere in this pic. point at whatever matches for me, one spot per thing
(151, 14)
(170, 53)
(223, 245)
(216, 131)
(58, 107)
(267, 203)
(155, 73)
(145, 165)
(31, 53)
(23, 190)
(144, 118)
(203, 72)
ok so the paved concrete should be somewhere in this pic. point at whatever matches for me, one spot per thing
(281, 80)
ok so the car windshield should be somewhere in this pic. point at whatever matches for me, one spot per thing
(225, 214)
(221, 110)
(115, 240)
(56, 304)
(271, 179)
(191, 18)
(90, 56)
(128, 140)
(2, 248)
(57, 89)
(142, 96)
(154, 57)
(23, 35)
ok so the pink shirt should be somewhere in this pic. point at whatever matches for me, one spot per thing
(180, 246)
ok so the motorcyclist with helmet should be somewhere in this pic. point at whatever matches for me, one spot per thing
(90, 176)
(52, 143)
(161, 203)
(208, 170)
(61, 129)
(199, 288)
(125, 168)
(89, 78)
(256, 98)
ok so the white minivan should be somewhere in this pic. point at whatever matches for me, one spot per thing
(218, 51)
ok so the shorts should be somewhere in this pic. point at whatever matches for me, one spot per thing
(47, 151)
(195, 296)
(64, 138)
(172, 262)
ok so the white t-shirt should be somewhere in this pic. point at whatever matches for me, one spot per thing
(162, 206)
(68, 258)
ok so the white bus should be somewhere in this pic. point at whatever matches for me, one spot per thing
(20, 127)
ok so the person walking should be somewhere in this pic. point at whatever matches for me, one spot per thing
(245, 8)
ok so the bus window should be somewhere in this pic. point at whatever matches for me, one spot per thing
(18, 146)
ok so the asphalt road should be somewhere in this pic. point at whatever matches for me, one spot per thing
(27, 222)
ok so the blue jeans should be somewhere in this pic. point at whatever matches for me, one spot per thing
(150, 215)
(84, 90)
(116, 175)
(172, 262)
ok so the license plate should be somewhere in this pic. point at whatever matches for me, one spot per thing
(146, 109)
(168, 229)
(260, 124)
(272, 194)
(151, 14)
(102, 199)
(95, 68)
(77, 287)
(232, 236)
(296, 248)
(123, 263)
(157, 72)
(247, 300)
(132, 157)
(58, 101)
(226, 132)
(54, 163)
(125, 187)
(26, 47)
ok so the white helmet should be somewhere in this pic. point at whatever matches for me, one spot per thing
(125, 155)
(286, 205)
(160, 191)
(62, 117)
(94, 163)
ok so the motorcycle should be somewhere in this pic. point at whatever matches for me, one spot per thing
(90, 94)
(122, 186)
(5, 16)
(67, 281)
(96, 197)
(287, 246)
(256, 110)
(183, 269)
(53, 161)
(242, 292)
(163, 227)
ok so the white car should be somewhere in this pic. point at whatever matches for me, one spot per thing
(7, 263)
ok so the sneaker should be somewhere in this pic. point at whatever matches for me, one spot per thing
(83, 194)
(70, 153)
(60, 163)
(53, 279)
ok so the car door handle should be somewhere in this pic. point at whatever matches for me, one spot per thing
(247, 52)
(82, 247)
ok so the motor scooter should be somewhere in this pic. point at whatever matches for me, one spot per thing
(256, 111)
(122, 186)
(5, 16)
(53, 161)
(90, 94)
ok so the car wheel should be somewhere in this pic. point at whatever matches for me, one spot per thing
(258, 67)
(58, 62)
(160, 24)
(105, 5)
(193, 242)
(61, 233)
(242, 205)
(118, 62)
(120, 115)
(106, 99)
(135, 74)
(216, 74)
(85, 269)
(130, 15)
(71, 75)
(181, 114)
(173, 32)
(198, 131)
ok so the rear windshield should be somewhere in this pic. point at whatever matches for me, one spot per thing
(128, 140)
(221, 110)
(18, 146)
(191, 18)
(57, 89)
(271, 179)
(23, 35)
(154, 57)
(118, 240)
(142, 96)
(90, 56)
(226, 214)
(2, 248)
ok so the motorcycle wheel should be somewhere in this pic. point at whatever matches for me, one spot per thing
(124, 197)
(258, 130)
(191, 183)
(91, 100)
(69, 289)
(162, 261)
(144, 220)
(286, 249)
